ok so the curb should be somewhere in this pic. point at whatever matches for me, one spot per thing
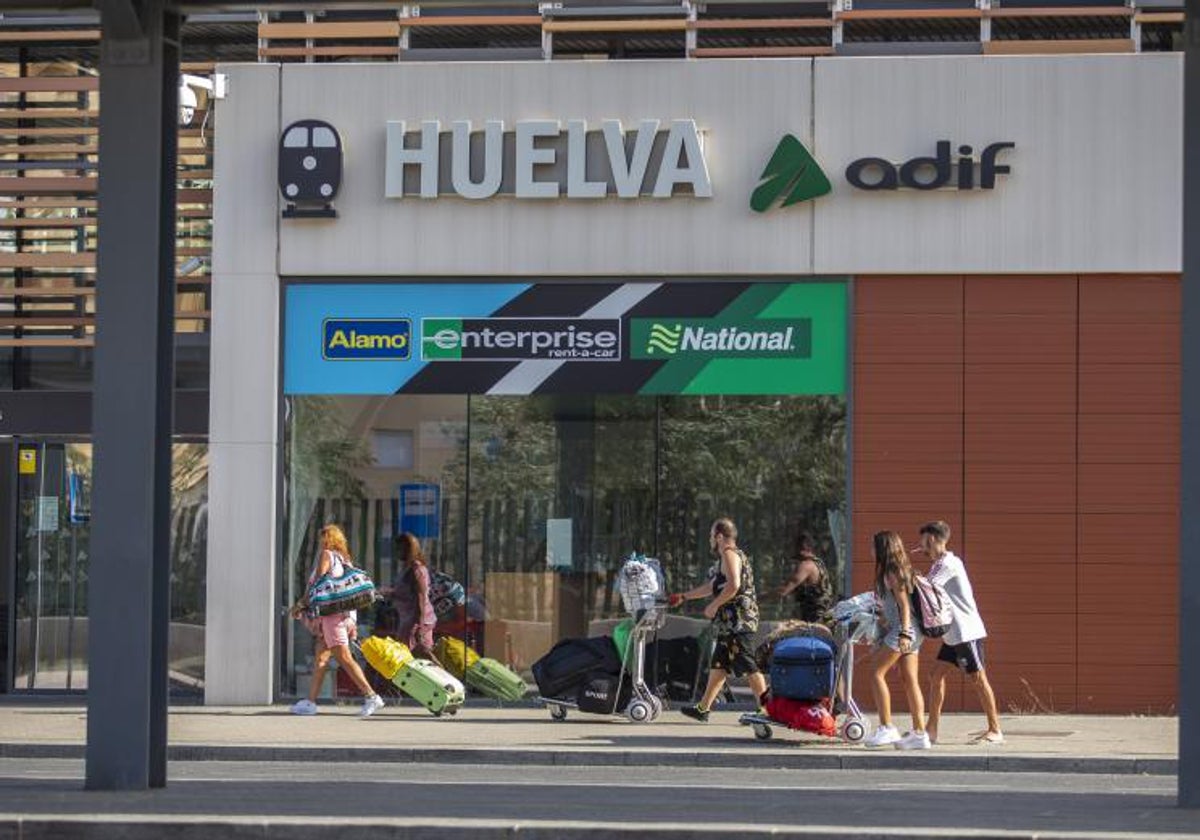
(1108, 765)
(202, 828)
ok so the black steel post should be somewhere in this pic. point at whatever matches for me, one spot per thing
(1189, 456)
(132, 408)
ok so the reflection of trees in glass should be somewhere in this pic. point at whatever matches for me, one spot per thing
(323, 460)
(189, 531)
(513, 477)
(663, 469)
(776, 466)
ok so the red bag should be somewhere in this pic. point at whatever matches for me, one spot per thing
(805, 715)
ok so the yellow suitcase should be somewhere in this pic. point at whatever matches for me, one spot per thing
(387, 656)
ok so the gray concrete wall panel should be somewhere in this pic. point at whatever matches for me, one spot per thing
(1095, 182)
(744, 108)
(243, 433)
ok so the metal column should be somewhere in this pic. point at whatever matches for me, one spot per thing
(1189, 462)
(131, 415)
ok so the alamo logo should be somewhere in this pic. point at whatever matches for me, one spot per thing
(666, 339)
(365, 339)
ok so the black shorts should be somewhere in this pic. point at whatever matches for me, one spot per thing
(734, 654)
(967, 656)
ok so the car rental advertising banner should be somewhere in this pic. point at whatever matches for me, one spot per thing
(565, 338)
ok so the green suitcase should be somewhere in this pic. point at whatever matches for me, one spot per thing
(491, 679)
(431, 686)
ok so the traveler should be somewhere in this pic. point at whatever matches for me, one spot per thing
(900, 642)
(810, 584)
(415, 617)
(962, 646)
(332, 633)
(733, 611)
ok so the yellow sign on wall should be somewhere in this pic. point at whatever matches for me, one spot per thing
(27, 462)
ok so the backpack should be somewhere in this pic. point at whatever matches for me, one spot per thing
(931, 605)
(445, 593)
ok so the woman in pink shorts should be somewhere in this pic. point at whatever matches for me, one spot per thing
(333, 633)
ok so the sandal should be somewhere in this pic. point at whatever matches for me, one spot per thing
(988, 738)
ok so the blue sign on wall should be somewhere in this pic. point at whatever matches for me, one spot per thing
(420, 509)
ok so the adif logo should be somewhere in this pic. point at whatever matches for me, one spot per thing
(750, 338)
(793, 174)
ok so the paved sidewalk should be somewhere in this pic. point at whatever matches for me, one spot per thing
(483, 734)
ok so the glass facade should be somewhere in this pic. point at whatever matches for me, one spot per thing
(51, 577)
(540, 498)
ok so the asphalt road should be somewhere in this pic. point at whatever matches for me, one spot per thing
(612, 795)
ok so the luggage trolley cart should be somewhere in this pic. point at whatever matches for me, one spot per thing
(644, 595)
(854, 623)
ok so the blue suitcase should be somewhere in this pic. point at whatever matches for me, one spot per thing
(802, 668)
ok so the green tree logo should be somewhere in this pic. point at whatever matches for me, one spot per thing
(792, 173)
(664, 338)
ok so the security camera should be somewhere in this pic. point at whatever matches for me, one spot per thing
(215, 85)
(187, 103)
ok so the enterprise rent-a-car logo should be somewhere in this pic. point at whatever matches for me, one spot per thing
(752, 338)
(520, 339)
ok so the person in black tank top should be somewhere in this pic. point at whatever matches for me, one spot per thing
(810, 584)
(733, 611)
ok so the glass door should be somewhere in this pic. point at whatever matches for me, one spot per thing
(53, 515)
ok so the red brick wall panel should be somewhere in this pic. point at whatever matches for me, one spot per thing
(1128, 488)
(1128, 389)
(1020, 339)
(1020, 488)
(1044, 294)
(1024, 438)
(1128, 438)
(1140, 539)
(1127, 687)
(888, 338)
(903, 294)
(1005, 389)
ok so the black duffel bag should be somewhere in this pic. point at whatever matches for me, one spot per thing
(604, 694)
(570, 662)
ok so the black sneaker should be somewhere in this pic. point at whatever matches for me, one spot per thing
(695, 713)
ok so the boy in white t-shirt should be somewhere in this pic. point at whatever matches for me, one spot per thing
(962, 646)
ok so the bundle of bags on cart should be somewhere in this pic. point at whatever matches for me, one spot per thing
(641, 583)
(586, 673)
(800, 659)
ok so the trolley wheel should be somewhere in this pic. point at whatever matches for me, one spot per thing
(452, 711)
(762, 732)
(656, 704)
(639, 711)
(853, 730)
(558, 712)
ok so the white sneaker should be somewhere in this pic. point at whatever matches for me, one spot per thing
(304, 707)
(370, 706)
(914, 741)
(882, 736)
